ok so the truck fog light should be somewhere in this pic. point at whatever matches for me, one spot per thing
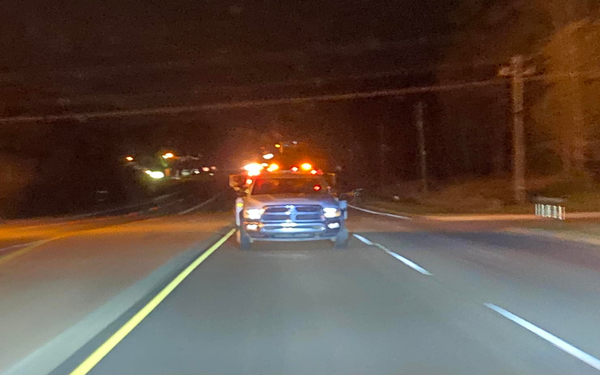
(252, 227)
(333, 225)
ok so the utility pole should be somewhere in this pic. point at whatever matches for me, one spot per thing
(382, 156)
(517, 72)
(419, 109)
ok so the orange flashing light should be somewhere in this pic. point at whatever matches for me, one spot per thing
(306, 167)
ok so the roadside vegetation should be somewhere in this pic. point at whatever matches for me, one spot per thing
(483, 195)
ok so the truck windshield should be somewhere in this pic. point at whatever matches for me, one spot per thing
(307, 185)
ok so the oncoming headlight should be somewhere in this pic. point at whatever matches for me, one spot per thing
(331, 212)
(253, 213)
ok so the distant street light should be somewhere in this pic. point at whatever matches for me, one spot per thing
(168, 155)
(268, 156)
(129, 158)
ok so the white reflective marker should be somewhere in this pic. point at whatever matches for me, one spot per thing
(362, 239)
(558, 342)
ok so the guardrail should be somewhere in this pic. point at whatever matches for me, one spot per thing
(552, 208)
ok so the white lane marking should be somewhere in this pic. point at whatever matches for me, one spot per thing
(18, 245)
(380, 213)
(559, 343)
(199, 206)
(404, 260)
(363, 240)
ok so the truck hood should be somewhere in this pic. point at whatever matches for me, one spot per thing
(283, 199)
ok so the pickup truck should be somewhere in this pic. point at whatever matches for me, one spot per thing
(288, 206)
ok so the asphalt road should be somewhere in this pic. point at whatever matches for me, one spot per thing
(62, 280)
(407, 298)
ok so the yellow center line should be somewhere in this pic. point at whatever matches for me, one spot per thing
(90, 362)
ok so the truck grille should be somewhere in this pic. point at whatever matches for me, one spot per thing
(293, 213)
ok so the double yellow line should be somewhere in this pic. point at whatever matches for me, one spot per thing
(90, 362)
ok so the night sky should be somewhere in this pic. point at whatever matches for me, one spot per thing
(69, 56)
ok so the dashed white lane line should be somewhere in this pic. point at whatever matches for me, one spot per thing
(363, 240)
(557, 342)
(379, 213)
(399, 257)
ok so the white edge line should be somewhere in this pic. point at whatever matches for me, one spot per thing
(19, 245)
(199, 206)
(363, 240)
(557, 342)
(380, 213)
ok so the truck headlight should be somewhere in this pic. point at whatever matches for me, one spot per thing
(253, 213)
(332, 212)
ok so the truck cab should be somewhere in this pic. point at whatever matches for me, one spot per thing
(286, 206)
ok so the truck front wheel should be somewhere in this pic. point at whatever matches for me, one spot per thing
(341, 241)
(243, 239)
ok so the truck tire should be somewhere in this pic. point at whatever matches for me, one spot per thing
(341, 241)
(243, 240)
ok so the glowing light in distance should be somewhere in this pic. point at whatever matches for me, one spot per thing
(314, 171)
(277, 145)
(317, 187)
(273, 167)
(205, 169)
(129, 158)
(168, 155)
(157, 175)
(306, 167)
(268, 156)
(294, 169)
(249, 181)
(253, 169)
(265, 164)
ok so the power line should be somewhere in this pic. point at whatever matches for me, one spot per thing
(178, 110)
(316, 81)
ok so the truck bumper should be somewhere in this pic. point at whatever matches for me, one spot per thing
(291, 232)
